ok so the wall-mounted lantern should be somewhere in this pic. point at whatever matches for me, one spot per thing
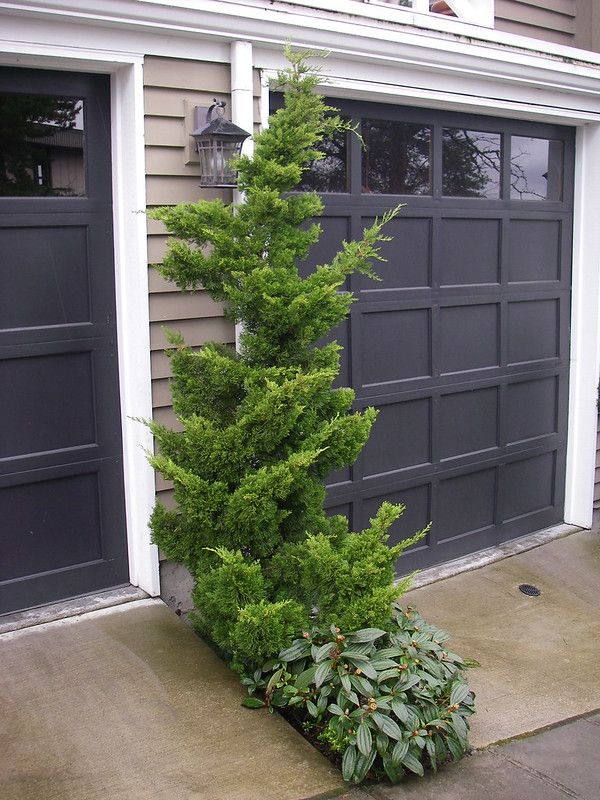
(218, 141)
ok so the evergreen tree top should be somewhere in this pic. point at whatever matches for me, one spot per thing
(248, 256)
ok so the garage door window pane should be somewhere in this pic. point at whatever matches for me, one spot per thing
(396, 157)
(471, 163)
(42, 143)
(536, 169)
(329, 174)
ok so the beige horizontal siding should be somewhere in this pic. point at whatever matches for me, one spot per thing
(156, 282)
(183, 74)
(171, 86)
(194, 331)
(550, 20)
(168, 190)
(189, 305)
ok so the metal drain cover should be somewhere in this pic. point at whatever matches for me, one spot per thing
(529, 590)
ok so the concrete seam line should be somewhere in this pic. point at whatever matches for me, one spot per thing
(540, 776)
(536, 731)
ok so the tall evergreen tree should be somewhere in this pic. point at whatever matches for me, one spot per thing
(263, 427)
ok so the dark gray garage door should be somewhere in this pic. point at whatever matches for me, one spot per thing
(62, 529)
(464, 344)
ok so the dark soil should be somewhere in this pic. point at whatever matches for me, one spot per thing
(311, 734)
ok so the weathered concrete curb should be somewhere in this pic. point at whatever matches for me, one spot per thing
(491, 554)
(70, 608)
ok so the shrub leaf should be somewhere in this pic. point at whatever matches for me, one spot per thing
(252, 702)
(367, 635)
(348, 762)
(364, 740)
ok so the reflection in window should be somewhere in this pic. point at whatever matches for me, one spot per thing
(42, 143)
(536, 169)
(471, 163)
(328, 174)
(396, 158)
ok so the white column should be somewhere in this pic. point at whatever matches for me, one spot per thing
(242, 109)
(585, 331)
(131, 270)
(242, 101)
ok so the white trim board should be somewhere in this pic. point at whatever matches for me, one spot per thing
(278, 21)
(585, 331)
(133, 320)
(131, 285)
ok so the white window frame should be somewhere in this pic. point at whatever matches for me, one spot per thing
(475, 12)
(470, 12)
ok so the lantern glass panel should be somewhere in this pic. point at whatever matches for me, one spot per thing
(215, 158)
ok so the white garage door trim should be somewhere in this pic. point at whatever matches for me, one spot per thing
(131, 279)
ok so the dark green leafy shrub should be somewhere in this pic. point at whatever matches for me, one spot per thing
(389, 701)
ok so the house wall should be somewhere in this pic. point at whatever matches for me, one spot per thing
(574, 23)
(168, 84)
(550, 20)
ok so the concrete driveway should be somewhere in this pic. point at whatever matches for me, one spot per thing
(128, 704)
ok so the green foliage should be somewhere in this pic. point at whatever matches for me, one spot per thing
(348, 577)
(263, 628)
(221, 591)
(260, 429)
(391, 700)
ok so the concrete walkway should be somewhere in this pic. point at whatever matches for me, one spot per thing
(539, 656)
(555, 765)
(128, 704)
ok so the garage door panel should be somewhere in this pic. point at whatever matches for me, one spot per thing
(528, 485)
(395, 345)
(44, 279)
(407, 257)
(469, 337)
(400, 438)
(467, 506)
(469, 422)
(533, 330)
(74, 546)
(339, 477)
(534, 250)
(66, 534)
(532, 409)
(37, 415)
(470, 251)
